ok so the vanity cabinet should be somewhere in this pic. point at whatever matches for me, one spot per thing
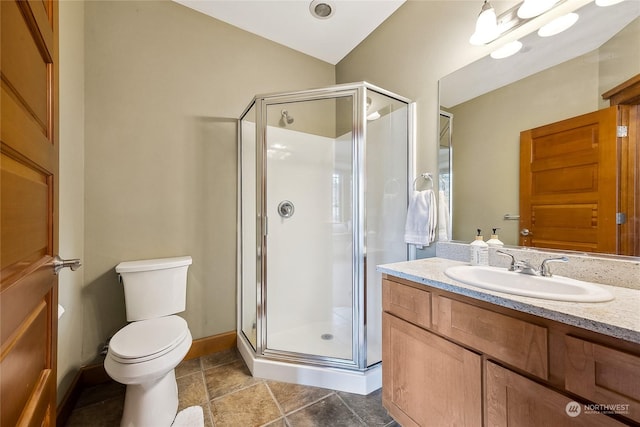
(427, 380)
(514, 400)
(448, 359)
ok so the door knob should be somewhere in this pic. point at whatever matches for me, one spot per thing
(59, 263)
(526, 232)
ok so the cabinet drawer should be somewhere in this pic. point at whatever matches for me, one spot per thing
(603, 375)
(411, 304)
(513, 341)
(513, 400)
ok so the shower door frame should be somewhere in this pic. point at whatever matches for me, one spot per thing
(357, 169)
(358, 93)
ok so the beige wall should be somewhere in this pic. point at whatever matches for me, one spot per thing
(71, 189)
(164, 85)
(619, 59)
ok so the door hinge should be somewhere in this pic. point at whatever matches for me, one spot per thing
(622, 131)
(621, 218)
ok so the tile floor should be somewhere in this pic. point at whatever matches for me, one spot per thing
(230, 397)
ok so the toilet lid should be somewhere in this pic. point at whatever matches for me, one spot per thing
(148, 339)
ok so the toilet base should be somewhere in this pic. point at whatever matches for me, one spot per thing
(152, 404)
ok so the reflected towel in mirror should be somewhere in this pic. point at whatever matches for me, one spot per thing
(444, 226)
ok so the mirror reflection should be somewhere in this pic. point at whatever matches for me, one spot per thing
(550, 80)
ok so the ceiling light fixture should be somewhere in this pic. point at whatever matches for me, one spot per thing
(558, 25)
(507, 50)
(322, 9)
(486, 26)
(605, 3)
(532, 8)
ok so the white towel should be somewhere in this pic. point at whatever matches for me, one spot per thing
(444, 227)
(420, 227)
(189, 417)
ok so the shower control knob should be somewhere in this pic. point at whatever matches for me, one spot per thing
(286, 209)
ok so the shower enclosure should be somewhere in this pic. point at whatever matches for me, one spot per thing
(323, 182)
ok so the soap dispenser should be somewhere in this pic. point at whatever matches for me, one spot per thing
(495, 241)
(479, 250)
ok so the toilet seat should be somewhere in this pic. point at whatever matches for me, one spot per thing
(148, 339)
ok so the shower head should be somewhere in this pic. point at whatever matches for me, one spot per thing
(286, 118)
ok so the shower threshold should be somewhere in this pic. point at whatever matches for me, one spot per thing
(326, 377)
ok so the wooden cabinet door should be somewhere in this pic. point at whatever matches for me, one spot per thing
(28, 220)
(513, 400)
(603, 375)
(568, 183)
(427, 380)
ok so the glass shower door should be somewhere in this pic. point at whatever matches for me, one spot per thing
(309, 279)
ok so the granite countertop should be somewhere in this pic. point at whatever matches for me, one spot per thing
(618, 318)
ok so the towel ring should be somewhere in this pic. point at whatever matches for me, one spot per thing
(426, 176)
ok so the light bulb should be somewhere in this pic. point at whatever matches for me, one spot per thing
(486, 26)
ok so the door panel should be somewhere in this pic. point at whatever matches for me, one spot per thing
(28, 220)
(568, 183)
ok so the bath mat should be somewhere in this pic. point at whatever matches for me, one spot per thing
(189, 417)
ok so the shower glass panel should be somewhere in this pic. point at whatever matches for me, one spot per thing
(324, 177)
(247, 243)
(309, 254)
(386, 202)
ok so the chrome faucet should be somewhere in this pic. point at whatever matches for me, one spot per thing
(525, 267)
(512, 266)
(544, 267)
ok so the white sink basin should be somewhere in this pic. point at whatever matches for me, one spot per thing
(556, 288)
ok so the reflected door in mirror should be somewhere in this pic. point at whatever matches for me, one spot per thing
(568, 183)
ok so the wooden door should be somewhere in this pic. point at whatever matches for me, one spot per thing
(29, 165)
(569, 183)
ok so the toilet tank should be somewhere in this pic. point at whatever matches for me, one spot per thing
(154, 287)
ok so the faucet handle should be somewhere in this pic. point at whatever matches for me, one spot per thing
(544, 267)
(512, 267)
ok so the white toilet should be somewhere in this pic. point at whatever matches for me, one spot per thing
(144, 353)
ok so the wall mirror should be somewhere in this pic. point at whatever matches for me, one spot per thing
(549, 80)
